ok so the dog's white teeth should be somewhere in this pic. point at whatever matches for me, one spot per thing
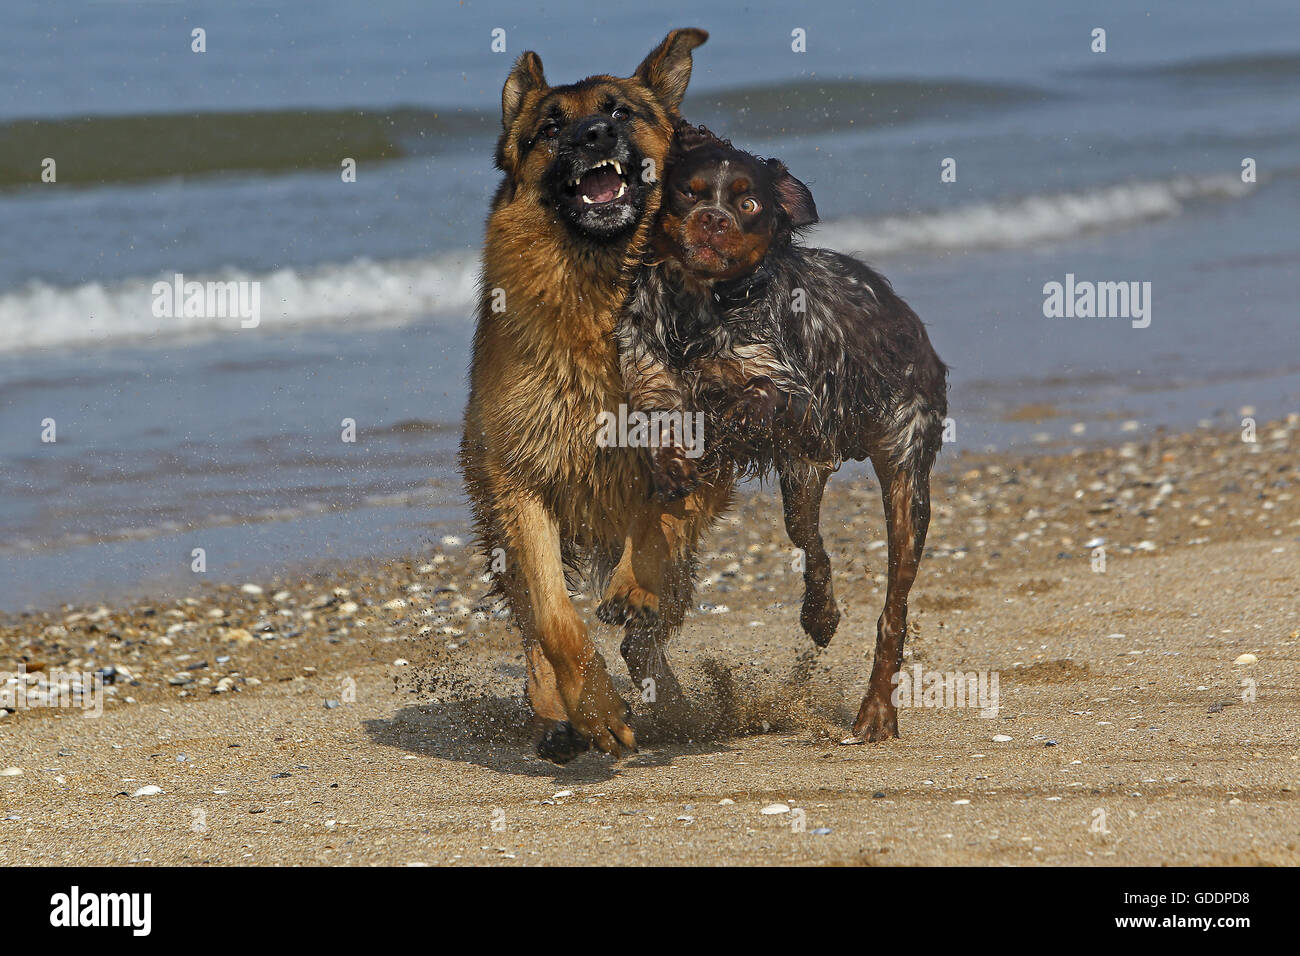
(622, 190)
(589, 202)
(617, 168)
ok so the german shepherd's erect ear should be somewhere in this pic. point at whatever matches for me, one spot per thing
(667, 69)
(526, 77)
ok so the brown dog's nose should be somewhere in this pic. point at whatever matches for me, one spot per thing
(594, 133)
(714, 220)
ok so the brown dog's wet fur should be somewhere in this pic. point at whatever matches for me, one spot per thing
(547, 500)
(712, 324)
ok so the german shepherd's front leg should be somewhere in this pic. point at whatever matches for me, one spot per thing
(595, 711)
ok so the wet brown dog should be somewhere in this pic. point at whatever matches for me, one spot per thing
(801, 358)
(566, 232)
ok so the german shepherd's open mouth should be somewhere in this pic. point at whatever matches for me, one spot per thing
(603, 183)
(591, 179)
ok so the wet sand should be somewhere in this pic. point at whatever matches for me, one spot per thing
(373, 714)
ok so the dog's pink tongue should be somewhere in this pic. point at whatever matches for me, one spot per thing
(600, 185)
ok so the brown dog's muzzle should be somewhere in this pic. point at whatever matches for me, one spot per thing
(712, 221)
(711, 227)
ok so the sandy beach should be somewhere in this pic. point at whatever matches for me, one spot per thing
(374, 713)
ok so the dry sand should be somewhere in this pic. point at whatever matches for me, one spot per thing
(305, 725)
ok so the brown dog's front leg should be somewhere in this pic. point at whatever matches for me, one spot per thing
(595, 711)
(801, 495)
(672, 473)
(907, 516)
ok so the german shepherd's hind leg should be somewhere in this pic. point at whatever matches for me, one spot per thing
(593, 711)
(658, 558)
(801, 495)
(906, 493)
(632, 596)
(645, 646)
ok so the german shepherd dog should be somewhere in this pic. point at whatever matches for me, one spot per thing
(565, 235)
(806, 358)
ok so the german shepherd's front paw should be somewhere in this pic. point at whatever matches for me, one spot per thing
(877, 721)
(673, 474)
(628, 604)
(560, 743)
(596, 712)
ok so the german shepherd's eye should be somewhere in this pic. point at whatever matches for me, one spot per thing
(621, 113)
(549, 131)
(750, 205)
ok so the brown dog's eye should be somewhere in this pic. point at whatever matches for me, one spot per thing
(750, 205)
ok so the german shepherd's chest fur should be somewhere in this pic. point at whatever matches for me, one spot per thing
(545, 367)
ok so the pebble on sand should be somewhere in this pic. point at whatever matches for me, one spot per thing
(1001, 739)
(1246, 659)
(772, 809)
(11, 772)
(148, 791)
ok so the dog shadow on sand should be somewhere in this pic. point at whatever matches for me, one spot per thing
(723, 703)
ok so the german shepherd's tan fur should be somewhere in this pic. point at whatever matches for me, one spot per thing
(544, 366)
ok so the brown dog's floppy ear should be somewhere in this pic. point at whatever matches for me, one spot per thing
(793, 196)
(523, 79)
(667, 69)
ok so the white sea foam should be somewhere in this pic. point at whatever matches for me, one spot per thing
(43, 316)
(443, 287)
(1027, 221)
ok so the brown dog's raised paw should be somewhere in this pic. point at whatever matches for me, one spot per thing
(819, 620)
(673, 474)
(755, 409)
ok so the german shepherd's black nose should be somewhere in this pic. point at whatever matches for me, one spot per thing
(595, 133)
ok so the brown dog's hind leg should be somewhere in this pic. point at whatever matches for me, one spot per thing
(801, 495)
(906, 495)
